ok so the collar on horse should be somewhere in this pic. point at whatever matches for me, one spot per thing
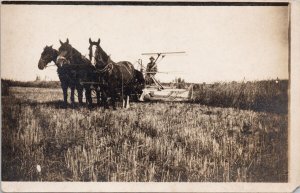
(107, 68)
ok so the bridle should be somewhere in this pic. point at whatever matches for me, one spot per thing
(63, 59)
(91, 53)
(47, 62)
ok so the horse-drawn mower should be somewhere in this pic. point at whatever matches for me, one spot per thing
(102, 78)
(156, 91)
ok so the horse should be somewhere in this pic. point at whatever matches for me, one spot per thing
(69, 57)
(66, 76)
(138, 85)
(120, 77)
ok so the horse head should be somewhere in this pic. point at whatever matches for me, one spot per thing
(65, 54)
(97, 56)
(48, 55)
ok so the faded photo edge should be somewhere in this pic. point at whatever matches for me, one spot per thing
(294, 146)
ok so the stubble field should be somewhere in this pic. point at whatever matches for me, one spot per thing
(164, 142)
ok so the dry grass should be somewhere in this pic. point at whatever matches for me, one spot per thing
(148, 142)
(268, 95)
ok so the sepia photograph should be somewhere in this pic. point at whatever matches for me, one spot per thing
(160, 92)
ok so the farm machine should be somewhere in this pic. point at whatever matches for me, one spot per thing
(154, 89)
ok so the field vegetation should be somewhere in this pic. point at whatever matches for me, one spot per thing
(5, 83)
(268, 95)
(164, 142)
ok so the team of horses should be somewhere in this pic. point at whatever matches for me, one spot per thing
(108, 79)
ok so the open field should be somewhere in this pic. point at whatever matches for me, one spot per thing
(148, 142)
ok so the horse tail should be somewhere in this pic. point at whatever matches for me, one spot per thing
(139, 81)
(139, 77)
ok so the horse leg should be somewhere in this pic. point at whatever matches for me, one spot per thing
(127, 102)
(88, 96)
(65, 93)
(72, 96)
(123, 96)
(79, 92)
(113, 101)
(104, 102)
(123, 102)
(98, 96)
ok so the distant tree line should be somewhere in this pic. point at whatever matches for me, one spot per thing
(6, 83)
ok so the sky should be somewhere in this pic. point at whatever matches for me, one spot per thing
(223, 43)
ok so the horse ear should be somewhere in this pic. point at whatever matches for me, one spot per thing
(61, 42)
(51, 46)
(98, 41)
(67, 41)
(90, 40)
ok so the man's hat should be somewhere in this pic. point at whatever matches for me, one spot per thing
(151, 58)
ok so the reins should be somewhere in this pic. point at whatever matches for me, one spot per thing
(128, 70)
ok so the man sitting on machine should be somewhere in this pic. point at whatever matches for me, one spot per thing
(151, 70)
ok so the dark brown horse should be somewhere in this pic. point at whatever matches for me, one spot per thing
(66, 76)
(69, 57)
(118, 78)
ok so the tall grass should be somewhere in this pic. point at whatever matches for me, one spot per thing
(163, 142)
(37, 84)
(269, 95)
